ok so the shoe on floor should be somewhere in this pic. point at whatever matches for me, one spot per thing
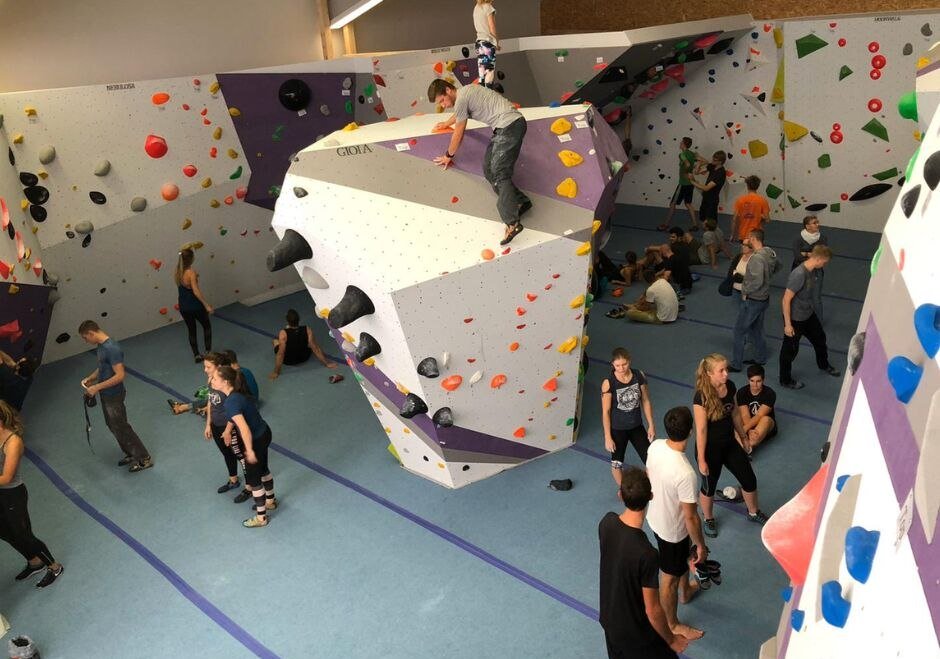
(792, 384)
(126, 460)
(270, 504)
(255, 522)
(29, 571)
(242, 496)
(50, 576)
(710, 528)
(758, 518)
(226, 486)
(140, 466)
(833, 371)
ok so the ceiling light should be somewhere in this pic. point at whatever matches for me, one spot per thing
(353, 13)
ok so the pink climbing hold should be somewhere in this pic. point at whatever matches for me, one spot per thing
(228, 202)
(155, 146)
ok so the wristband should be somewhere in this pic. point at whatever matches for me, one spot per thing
(448, 154)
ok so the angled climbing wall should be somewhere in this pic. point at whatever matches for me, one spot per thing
(864, 583)
(469, 352)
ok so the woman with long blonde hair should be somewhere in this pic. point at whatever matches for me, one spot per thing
(717, 419)
(192, 303)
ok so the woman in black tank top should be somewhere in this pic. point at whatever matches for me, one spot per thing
(294, 345)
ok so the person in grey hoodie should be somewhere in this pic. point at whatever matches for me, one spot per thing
(755, 297)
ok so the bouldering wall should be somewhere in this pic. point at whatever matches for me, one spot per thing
(469, 352)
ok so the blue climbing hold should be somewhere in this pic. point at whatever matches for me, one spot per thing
(835, 608)
(840, 481)
(554, 104)
(796, 619)
(927, 324)
(787, 593)
(904, 376)
(860, 546)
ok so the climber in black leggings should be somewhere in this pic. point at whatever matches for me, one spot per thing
(717, 418)
(215, 426)
(625, 399)
(192, 303)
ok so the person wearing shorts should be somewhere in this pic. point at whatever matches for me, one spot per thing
(625, 399)
(684, 190)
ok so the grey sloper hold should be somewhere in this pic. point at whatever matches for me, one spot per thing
(354, 305)
(299, 192)
(103, 168)
(856, 351)
(443, 417)
(46, 154)
(84, 227)
(138, 204)
(412, 406)
(291, 248)
(428, 367)
(368, 347)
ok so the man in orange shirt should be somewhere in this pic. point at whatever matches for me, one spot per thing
(751, 210)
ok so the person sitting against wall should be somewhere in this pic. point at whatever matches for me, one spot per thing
(294, 345)
(659, 304)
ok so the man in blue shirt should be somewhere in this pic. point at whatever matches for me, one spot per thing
(108, 380)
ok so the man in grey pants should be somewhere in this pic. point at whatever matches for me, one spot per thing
(509, 128)
(108, 380)
(755, 296)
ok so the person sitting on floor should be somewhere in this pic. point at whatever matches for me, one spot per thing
(659, 303)
(294, 345)
(629, 272)
(713, 241)
(674, 268)
(756, 404)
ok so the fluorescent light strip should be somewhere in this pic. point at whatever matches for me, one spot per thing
(353, 13)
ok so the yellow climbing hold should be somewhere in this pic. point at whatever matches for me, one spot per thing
(560, 126)
(595, 227)
(24, 205)
(232, 153)
(451, 65)
(234, 112)
(568, 345)
(198, 244)
(570, 158)
(18, 138)
(207, 182)
(349, 337)
(918, 136)
(584, 340)
(567, 188)
(13, 290)
(576, 302)
(368, 362)
(217, 133)
(391, 449)
(552, 437)
(214, 87)
(402, 388)
(187, 223)
(922, 62)
(352, 125)
(214, 203)
(757, 149)
(777, 95)
(794, 131)
(583, 248)
(43, 174)
(30, 111)
(778, 37)
(324, 312)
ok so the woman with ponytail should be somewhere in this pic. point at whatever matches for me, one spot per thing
(248, 436)
(717, 419)
(192, 303)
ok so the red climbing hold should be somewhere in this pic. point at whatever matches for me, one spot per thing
(155, 146)
(156, 264)
(159, 98)
(878, 62)
(556, 276)
(835, 137)
(498, 381)
(190, 170)
(229, 201)
(520, 311)
(506, 251)
(551, 385)
(874, 105)
(841, 43)
(185, 106)
(213, 152)
(836, 127)
(454, 200)
(547, 347)
(513, 346)
(164, 311)
(519, 432)
(873, 47)
(531, 297)
(439, 68)
(844, 196)
(451, 382)
(522, 326)
(204, 111)
(548, 286)
(468, 320)
(241, 193)
(874, 74)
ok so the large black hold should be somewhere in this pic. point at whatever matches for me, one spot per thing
(294, 94)
(428, 367)
(412, 406)
(292, 248)
(443, 417)
(36, 194)
(368, 347)
(354, 305)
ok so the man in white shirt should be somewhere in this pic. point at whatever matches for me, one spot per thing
(673, 516)
(659, 304)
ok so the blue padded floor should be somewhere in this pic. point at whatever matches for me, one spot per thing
(364, 559)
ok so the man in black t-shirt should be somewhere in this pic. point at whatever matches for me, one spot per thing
(756, 404)
(674, 267)
(630, 611)
(711, 188)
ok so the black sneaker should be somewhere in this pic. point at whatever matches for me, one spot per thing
(792, 384)
(833, 371)
(140, 466)
(50, 576)
(198, 359)
(758, 518)
(242, 496)
(126, 460)
(29, 571)
(710, 528)
(226, 486)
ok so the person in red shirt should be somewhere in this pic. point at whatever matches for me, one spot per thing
(751, 210)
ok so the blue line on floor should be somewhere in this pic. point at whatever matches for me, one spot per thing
(441, 532)
(203, 604)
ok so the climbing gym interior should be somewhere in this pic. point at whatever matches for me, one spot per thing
(442, 470)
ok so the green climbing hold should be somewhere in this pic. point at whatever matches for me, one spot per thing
(835, 208)
(907, 106)
(773, 191)
(570, 422)
(349, 107)
(809, 44)
(824, 161)
(236, 174)
(561, 53)
(369, 89)
(274, 191)
(682, 45)
(910, 165)
(358, 377)
(222, 232)
(844, 72)
(876, 258)
(278, 130)
(886, 174)
(876, 128)
(681, 58)
(793, 202)
(620, 100)
(579, 83)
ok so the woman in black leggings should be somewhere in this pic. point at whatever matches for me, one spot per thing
(249, 436)
(192, 304)
(15, 527)
(215, 425)
(624, 395)
(717, 418)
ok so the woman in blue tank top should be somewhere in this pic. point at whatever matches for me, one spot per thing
(192, 304)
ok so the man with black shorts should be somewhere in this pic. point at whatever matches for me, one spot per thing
(673, 516)
(630, 611)
(711, 188)
(756, 403)
(684, 190)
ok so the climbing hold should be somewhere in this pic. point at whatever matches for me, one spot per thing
(824, 161)
(36, 194)
(62, 338)
(498, 381)
(300, 192)
(206, 182)
(155, 146)
(190, 170)
(234, 112)
(927, 324)
(187, 223)
(294, 94)
(773, 191)
(568, 345)
(796, 619)
(214, 87)
(570, 158)
(215, 204)
(428, 368)
(875, 127)
(325, 110)
(815, 136)
(904, 376)
(97, 197)
(46, 154)
(874, 105)
(576, 302)
(874, 74)
(886, 174)
(487, 254)
(835, 137)
(856, 352)
(794, 131)
(84, 227)
(18, 138)
(412, 406)
(236, 174)
(583, 249)
(102, 168)
(159, 98)
(347, 82)
(368, 347)
(844, 72)
(860, 547)
(232, 153)
(908, 49)
(812, 208)
(451, 382)
(476, 377)
(443, 417)
(30, 111)
(513, 346)
(567, 188)
(560, 126)
(217, 133)
(551, 384)
(925, 30)
(28, 179)
(519, 432)
(757, 148)
(870, 191)
(907, 106)
(835, 608)
(932, 170)
(38, 213)
(354, 305)
(290, 249)
(138, 204)
(878, 62)
(352, 125)
(170, 191)
(809, 44)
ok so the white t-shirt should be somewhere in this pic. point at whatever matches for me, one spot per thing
(481, 23)
(664, 297)
(674, 483)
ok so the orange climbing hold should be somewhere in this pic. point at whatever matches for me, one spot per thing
(531, 297)
(520, 311)
(169, 191)
(159, 98)
(551, 384)
(487, 254)
(439, 68)
(513, 346)
(156, 264)
(498, 381)
(451, 382)
(519, 432)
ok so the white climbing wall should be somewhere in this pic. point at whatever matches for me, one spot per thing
(13, 250)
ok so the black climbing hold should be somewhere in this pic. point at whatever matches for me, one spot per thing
(824, 453)
(428, 367)
(932, 170)
(28, 345)
(36, 194)
(354, 305)
(443, 417)
(97, 197)
(63, 337)
(28, 179)
(720, 46)
(909, 200)
(815, 136)
(465, 51)
(69, 234)
(361, 99)
(292, 248)
(87, 241)
(11, 156)
(104, 314)
(38, 213)
(300, 193)
(925, 30)
(294, 94)
(103, 290)
(908, 49)
(368, 347)
(870, 191)
(901, 182)
(11, 231)
(465, 468)
(856, 351)
(500, 75)
(812, 208)
(762, 97)
(412, 406)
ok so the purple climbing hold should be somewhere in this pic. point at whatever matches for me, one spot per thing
(860, 547)
(927, 324)
(835, 608)
(904, 376)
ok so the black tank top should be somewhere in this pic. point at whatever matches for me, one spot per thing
(296, 350)
(625, 412)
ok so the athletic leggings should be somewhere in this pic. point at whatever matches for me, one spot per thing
(486, 62)
(190, 318)
(636, 436)
(255, 472)
(726, 452)
(15, 527)
(231, 462)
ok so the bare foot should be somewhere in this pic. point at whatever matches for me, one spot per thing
(690, 593)
(690, 633)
